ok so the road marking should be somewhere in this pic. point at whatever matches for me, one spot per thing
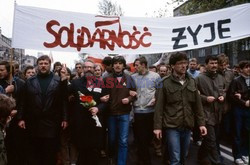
(226, 148)
(227, 156)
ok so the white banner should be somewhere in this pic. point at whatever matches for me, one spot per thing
(46, 29)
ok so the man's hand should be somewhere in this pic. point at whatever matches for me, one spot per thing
(64, 124)
(104, 98)
(203, 130)
(93, 110)
(9, 89)
(125, 101)
(221, 98)
(247, 103)
(210, 99)
(158, 133)
(152, 102)
(237, 95)
(21, 124)
(132, 93)
(13, 113)
(64, 73)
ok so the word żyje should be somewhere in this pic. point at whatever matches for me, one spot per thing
(105, 37)
(194, 33)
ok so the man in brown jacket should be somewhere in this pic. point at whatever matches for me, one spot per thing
(178, 105)
(212, 90)
(120, 85)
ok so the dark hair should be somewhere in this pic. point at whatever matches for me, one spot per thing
(178, 56)
(244, 64)
(6, 105)
(152, 66)
(211, 58)
(142, 60)
(107, 61)
(43, 57)
(119, 59)
(7, 66)
(68, 70)
(56, 64)
(16, 65)
(78, 63)
(27, 68)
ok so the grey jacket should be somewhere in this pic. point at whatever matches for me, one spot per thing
(146, 86)
(211, 85)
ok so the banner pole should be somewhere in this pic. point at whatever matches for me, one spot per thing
(11, 65)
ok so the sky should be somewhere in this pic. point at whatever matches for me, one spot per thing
(133, 8)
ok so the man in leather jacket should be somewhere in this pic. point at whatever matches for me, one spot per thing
(43, 113)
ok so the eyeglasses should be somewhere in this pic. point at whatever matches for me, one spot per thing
(78, 67)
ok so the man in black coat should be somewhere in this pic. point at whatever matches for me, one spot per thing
(86, 132)
(43, 113)
(15, 137)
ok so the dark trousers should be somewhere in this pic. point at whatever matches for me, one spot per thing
(16, 144)
(43, 151)
(144, 134)
(88, 156)
(208, 152)
(240, 135)
(196, 133)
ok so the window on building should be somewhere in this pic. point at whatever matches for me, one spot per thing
(190, 54)
(247, 44)
(243, 45)
(215, 50)
(202, 53)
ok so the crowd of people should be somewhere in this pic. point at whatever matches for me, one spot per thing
(53, 116)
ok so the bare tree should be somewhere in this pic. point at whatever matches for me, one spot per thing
(106, 7)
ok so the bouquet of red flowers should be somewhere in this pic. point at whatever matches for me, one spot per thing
(88, 102)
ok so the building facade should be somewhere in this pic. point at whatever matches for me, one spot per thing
(236, 51)
(18, 54)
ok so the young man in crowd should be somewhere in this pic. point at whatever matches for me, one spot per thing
(79, 70)
(239, 96)
(15, 140)
(177, 106)
(120, 85)
(143, 107)
(29, 71)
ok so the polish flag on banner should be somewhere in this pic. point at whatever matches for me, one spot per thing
(130, 58)
(97, 58)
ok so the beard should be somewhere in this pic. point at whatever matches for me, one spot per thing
(88, 74)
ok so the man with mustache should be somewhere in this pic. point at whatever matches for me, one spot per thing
(43, 113)
(85, 133)
(212, 90)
